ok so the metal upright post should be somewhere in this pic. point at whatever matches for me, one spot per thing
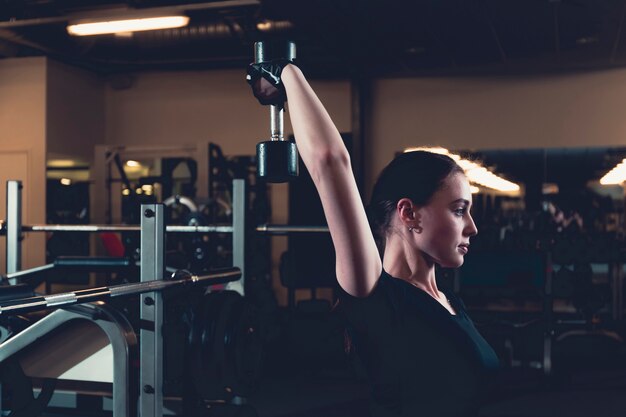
(14, 233)
(151, 340)
(548, 316)
(239, 233)
(14, 228)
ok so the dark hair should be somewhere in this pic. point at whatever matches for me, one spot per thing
(415, 175)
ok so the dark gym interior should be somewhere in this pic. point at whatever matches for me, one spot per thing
(132, 155)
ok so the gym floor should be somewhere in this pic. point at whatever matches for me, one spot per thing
(584, 394)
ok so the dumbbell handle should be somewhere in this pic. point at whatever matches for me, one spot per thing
(277, 125)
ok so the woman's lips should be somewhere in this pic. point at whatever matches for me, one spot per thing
(463, 249)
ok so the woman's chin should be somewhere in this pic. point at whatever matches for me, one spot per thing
(452, 263)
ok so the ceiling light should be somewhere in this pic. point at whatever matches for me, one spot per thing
(268, 25)
(61, 163)
(132, 164)
(475, 172)
(615, 176)
(549, 188)
(127, 25)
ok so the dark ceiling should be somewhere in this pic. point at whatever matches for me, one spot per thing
(336, 38)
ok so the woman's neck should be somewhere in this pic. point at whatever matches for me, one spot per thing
(402, 261)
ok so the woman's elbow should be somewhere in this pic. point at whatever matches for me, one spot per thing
(326, 161)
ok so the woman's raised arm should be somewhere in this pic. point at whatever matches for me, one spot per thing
(325, 156)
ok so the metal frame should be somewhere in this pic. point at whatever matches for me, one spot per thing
(151, 314)
(14, 227)
(115, 326)
(548, 316)
(239, 234)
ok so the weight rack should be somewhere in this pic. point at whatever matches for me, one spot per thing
(116, 327)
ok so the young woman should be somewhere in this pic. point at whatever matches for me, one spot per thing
(422, 353)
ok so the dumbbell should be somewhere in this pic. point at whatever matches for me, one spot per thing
(277, 158)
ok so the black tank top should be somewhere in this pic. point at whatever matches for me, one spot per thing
(420, 359)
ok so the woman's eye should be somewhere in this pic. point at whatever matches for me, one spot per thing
(460, 211)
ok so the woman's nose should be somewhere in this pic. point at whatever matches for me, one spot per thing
(471, 229)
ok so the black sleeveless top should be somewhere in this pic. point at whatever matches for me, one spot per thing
(420, 359)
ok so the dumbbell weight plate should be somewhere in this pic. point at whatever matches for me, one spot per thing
(266, 51)
(277, 161)
(201, 330)
(237, 352)
(244, 349)
(225, 349)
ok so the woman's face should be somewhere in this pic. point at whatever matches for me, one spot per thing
(447, 224)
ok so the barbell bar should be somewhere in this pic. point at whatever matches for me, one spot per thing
(277, 229)
(179, 278)
(281, 229)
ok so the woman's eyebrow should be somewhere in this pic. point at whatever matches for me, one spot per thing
(460, 200)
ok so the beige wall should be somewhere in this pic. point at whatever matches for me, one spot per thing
(23, 142)
(585, 109)
(188, 107)
(74, 112)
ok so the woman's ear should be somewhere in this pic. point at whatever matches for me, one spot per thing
(409, 215)
(407, 212)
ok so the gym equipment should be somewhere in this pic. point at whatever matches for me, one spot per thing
(224, 347)
(13, 229)
(277, 158)
(40, 302)
(273, 229)
(70, 264)
(108, 324)
(99, 228)
(115, 326)
(278, 229)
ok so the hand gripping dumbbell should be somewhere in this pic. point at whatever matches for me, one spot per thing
(277, 158)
